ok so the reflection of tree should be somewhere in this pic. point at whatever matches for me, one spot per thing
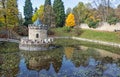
(68, 52)
(80, 57)
(10, 65)
(41, 60)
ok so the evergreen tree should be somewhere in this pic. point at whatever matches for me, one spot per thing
(12, 12)
(58, 8)
(48, 13)
(47, 2)
(28, 12)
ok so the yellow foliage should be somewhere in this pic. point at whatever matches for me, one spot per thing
(68, 52)
(70, 21)
(93, 18)
(34, 17)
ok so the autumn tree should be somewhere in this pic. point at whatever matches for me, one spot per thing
(38, 14)
(3, 19)
(12, 12)
(70, 21)
(80, 12)
(58, 8)
(28, 12)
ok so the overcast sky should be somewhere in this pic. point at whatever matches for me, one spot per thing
(67, 3)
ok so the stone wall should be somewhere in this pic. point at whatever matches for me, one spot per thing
(103, 26)
(42, 34)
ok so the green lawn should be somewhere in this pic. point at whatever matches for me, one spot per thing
(90, 34)
(100, 35)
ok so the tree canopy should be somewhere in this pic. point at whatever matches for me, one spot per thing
(58, 8)
(28, 12)
(70, 21)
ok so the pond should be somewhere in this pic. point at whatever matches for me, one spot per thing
(61, 62)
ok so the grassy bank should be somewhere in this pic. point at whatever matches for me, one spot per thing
(7, 47)
(70, 42)
(90, 34)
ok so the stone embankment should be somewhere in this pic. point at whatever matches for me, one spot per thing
(74, 38)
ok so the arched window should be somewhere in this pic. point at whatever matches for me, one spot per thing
(37, 35)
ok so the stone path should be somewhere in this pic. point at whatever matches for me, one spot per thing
(94, 41)
(9, 40)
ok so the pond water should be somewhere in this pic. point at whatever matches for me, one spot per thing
(60, 62)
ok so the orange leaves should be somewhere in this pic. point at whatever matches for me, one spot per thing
(70, 21)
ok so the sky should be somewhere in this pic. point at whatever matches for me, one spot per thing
(67, 3)
(37, 3)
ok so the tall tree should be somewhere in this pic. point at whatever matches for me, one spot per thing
(3, 19)
(12, 12)
(48, 13)
(47, 2)
(38, 14)
(58, 8)
(80, 12)
(28, 12)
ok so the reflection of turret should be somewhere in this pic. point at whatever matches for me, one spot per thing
(42, 60)
(38, 64)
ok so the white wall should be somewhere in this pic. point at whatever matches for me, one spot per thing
(104, 26)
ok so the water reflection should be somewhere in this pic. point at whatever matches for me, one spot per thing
(9, 65)
(68, 69)
(61, 62)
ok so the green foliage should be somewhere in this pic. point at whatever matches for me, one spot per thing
(66, 28)
(58, 8)
(38, 14)
(47, 2)
(113, 20)
(91, 23)
(78, 31)
(12, 12)
(21, 30)
(49, 15)
(80, 12)
(28, 12)
(7, 47)
(1, 24)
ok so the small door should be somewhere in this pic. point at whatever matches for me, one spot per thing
(37, 35)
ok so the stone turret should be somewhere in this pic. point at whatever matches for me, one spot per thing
(37, 38)
(37, 31)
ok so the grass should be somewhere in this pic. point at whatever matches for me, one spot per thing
(90, 34)
(100, 35)
(70, 42)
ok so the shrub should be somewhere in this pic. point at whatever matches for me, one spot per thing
(91, 23)
(113, 20)
(21, 30)
(78, 31)
(66, 28)
(50, 32)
